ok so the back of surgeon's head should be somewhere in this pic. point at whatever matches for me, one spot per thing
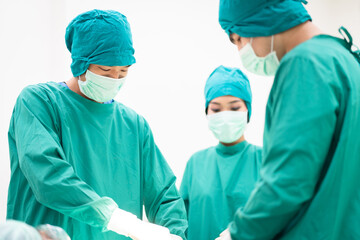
(16, 230)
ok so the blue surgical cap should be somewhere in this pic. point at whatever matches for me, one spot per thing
(99, 37)
(225, 81)
(257, 18)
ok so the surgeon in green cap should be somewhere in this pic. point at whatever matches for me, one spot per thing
(309, 179)
(83, 161)
(218, 180)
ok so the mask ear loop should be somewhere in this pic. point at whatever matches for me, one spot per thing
(80, 78)
(251, 40)
(272, 43)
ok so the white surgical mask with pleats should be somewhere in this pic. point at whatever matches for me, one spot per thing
(265, 66)
(100, 88)
(228, 126)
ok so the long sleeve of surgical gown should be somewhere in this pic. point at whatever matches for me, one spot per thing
(309, 181)
(41, 159)
(74, 161)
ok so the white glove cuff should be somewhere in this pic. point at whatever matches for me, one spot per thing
(122, 222)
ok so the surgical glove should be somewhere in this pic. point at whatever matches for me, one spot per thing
(129, 225)
(150, 231)
(175, 237)
(225, 235)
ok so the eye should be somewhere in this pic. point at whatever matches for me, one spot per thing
(106, 70)
(235, 108)
(236, 40)
(215, 110)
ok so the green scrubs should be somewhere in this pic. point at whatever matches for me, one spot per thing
(73, 161)
(309, 185)
(217, 181)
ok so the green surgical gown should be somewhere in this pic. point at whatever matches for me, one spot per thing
(217, 181)
(309, 185)
(73, 161)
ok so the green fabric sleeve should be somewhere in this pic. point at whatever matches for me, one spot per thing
(163, 204)
(185, 186)
(43, 163)
(300, 120)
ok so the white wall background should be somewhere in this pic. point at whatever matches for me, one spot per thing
(177, 45)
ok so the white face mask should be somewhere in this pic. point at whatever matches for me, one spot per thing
(100, 88)
(228, 126)
(265, 66)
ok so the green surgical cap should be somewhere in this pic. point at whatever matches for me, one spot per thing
(16, 230)
(225, 81)
(99, 37)
(257, 18)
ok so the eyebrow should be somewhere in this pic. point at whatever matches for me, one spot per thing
(215, 103)
(235, 101)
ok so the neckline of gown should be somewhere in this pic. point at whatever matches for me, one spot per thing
(231, 150)
(91, 105)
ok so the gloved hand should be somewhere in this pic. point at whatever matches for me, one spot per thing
(225, 235)
(150, 231)
(129, 225)
(175, 237)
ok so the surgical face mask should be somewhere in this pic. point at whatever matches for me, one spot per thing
(228, 126)
(100, 88)
(265, 66)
